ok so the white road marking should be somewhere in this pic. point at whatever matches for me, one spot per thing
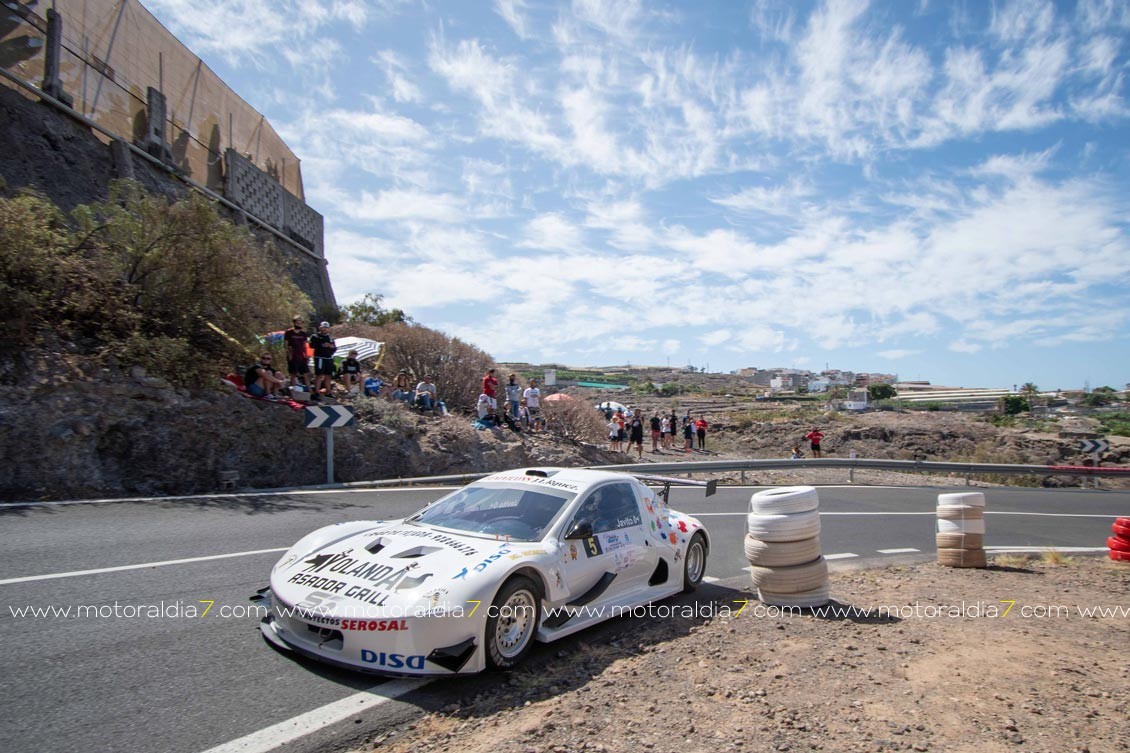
(277, 735)
(840, 556)
(897, 551)
(233, 495)
(76, 573)
(1067, 549)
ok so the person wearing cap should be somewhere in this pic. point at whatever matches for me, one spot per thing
(262, 380)
(351, 373)
(324, 349)
(296, 342)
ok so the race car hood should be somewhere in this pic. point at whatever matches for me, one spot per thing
(388, 566)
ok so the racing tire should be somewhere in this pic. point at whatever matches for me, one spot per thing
(512, 623)
(962, 558)
(960, 512)
(1121, 529)
(1119, 556)
(694, 563)
(971, 499)
(793, 579)
(1118, 544)
(961, 526)
(793, 526)
(781, 553)
(784, 500)
(959, 540)
(817, 597)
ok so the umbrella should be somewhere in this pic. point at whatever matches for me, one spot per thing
(365, 347)
(558, 397)
(612, 405)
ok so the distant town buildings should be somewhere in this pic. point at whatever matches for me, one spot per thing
(789, 380)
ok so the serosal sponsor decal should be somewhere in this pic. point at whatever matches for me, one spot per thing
(374, 626)
(391, 661)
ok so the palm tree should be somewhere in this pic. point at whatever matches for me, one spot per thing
(1030, 391)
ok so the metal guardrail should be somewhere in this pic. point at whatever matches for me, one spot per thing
(724, 466)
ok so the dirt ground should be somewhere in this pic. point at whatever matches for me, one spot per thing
(944, 668)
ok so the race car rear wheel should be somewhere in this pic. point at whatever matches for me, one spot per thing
(512, 622)
(694, 563)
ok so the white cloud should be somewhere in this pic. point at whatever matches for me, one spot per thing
(513, 12)
(897, 353)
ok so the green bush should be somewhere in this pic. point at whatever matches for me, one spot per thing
(173, 286)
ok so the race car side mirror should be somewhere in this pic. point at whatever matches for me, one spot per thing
(581, 529)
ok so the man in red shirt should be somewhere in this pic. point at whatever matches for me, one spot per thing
(814, 438)
(490, 388)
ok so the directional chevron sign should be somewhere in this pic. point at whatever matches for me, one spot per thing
(328, 416)
(1094, 445)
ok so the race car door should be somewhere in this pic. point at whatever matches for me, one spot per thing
(606, 548)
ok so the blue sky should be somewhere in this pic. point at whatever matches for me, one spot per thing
(933, 189)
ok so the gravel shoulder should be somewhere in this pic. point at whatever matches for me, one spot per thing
(944, 668)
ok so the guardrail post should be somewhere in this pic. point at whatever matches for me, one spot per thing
(743, 476)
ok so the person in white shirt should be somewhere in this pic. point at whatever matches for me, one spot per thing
(533, 403)
(426, 393)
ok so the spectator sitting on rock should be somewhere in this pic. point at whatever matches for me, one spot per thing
(351, 373)
(426, 397)
(373, 385)
(402, 387)
(261, 380)
(483, 407)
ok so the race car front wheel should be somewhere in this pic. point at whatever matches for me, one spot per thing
(694, 563)
(512, 623)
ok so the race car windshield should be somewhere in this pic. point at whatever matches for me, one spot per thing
(519, 514)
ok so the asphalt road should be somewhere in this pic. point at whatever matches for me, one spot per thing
(186, 683)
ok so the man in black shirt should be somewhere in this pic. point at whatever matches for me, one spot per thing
(351, 373)
(324, 347)
(297, 364)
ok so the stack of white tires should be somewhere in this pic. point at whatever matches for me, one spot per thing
(961, 529)
(783, 547)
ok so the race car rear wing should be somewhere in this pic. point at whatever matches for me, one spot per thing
(668, 481)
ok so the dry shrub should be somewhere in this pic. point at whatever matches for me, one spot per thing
(458, 367)
(573, 419)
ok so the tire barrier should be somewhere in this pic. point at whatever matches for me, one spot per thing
(960, 535)
(1119, 543)
(783, 547)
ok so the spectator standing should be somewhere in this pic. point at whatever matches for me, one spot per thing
(513, 394)
(402, 387)
(261, 380)
(613, 435)
(533, 404)
(814, 438)
(621, 433)
(324, 349)
(674, 421)
(688, 436)
(490, 388)
(426, 396)
(635, 434)
(351, 373)
(524, 415)
(656, 431)
(700, 430)
(296, 341)
(665, 432)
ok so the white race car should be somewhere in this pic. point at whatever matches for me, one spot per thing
(470, 581)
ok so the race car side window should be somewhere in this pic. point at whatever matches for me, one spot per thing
(610, 508)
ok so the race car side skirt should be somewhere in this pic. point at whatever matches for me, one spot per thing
(587, 597)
